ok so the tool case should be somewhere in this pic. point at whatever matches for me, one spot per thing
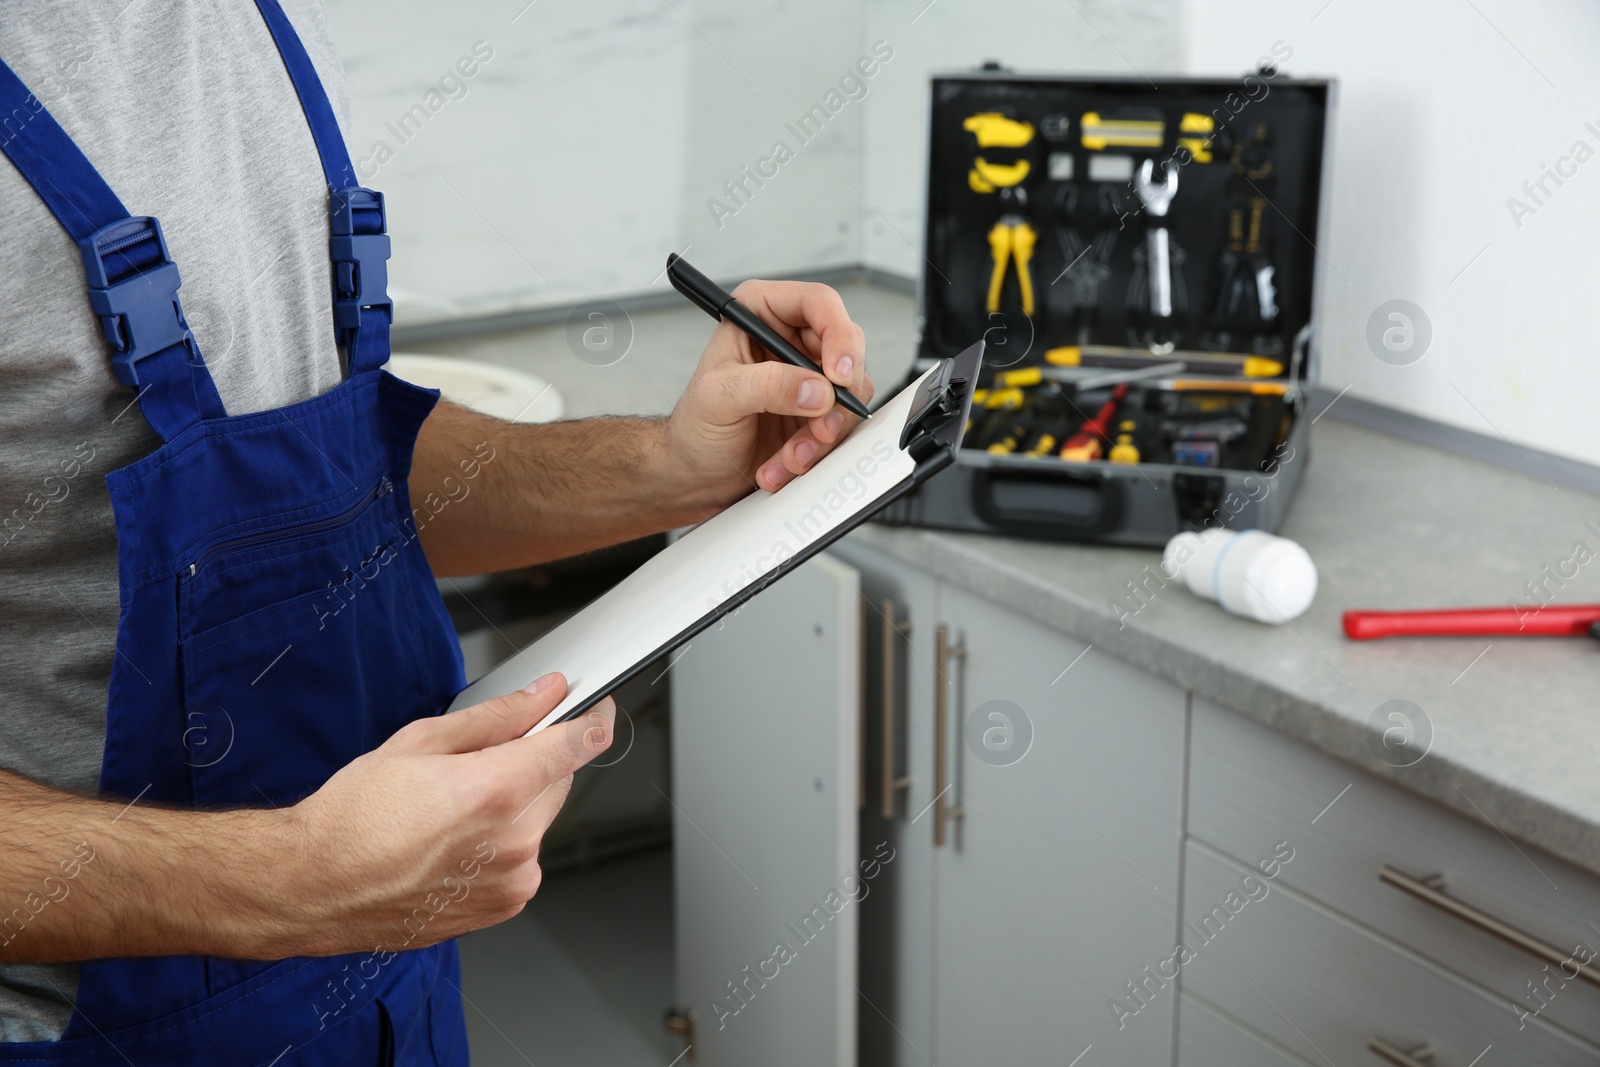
(1141, 262)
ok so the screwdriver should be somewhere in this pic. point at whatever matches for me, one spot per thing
(1194, 362)
(715, 301)
(1125, 451)
(1085, 444)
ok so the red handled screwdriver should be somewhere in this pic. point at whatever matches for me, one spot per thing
(1087, 442)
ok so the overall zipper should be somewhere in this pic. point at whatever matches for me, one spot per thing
(304, 529)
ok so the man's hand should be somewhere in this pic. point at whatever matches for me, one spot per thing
(749, 419)
(431, 835)
(436, 833)
(489, 496)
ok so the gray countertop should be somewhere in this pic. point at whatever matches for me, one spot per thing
(1390, 524)
(1515, 721)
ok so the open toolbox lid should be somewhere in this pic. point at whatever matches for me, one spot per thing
(1049, 165)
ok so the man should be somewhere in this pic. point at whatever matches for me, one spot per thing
(228, 534)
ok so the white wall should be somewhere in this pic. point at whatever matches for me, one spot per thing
(590, 144)
(1446, 108)
(1086, 36)
(585, 150)
(525, 191)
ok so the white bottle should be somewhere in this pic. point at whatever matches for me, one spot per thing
(1249, 572)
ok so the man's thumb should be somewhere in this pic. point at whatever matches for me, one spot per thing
(498, 719)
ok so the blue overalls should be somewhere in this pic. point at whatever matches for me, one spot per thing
(278, 619)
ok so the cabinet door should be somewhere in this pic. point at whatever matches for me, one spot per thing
(1251, 787)
(1312, 981)
(1058, 882)
(898, 935)
(765, 710)
(1207, 1039)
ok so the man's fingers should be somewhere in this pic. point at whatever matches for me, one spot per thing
(773, 475)
(740, 390)
(485, 725)
(802, 451)
(797, 456)
(536, 816)
(809, 444)
(554, 752)
(849, 365)
(598, 728)
(829, 428)
(815, 314)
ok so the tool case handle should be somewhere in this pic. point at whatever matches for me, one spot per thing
(1048, 501)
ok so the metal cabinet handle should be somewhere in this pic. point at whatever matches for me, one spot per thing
(1417, 1057)
(861, 704)
(893, 630)
(1432, 894)
(944, 652)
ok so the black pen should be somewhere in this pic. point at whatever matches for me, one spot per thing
(719, 304)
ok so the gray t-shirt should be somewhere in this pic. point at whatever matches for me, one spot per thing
(186, 111)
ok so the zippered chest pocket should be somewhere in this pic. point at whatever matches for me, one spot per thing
(337, 553)
(303, 646)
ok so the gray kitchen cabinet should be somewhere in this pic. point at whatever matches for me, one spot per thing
(1207, 1038)
(1312, 981)
(1058, 880)
(1056, 872)
(898, 929)
(1251, 788)
(1044, 824)
(765, 794)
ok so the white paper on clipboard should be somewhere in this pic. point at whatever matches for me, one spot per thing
(729, 557)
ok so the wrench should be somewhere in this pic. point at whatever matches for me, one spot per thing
(1266, 293)
(1156, 200)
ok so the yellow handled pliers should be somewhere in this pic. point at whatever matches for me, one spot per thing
(1012, 238)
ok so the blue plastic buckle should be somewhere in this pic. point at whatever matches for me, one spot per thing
(359, 249)
(140, 313)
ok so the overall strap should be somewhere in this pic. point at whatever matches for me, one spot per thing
(133, 282)
(359, 246)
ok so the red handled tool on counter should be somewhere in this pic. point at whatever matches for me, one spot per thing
(1554, 620)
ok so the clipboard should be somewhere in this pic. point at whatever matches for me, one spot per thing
(732, 556)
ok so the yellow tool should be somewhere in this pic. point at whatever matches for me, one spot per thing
(1124, 451)
(994, 130)
(1020, 378)
(1012, 238)
(1099, 133)
(998, 406)
(1196, 362)
(1199, 129)
(1045, 446)
(986, 177)
(1010, 442)
(1224, 386)
(1006, 398)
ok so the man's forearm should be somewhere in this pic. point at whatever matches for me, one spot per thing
(84, 879)
(489, 495)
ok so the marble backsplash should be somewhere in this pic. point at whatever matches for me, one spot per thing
(589, 140)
